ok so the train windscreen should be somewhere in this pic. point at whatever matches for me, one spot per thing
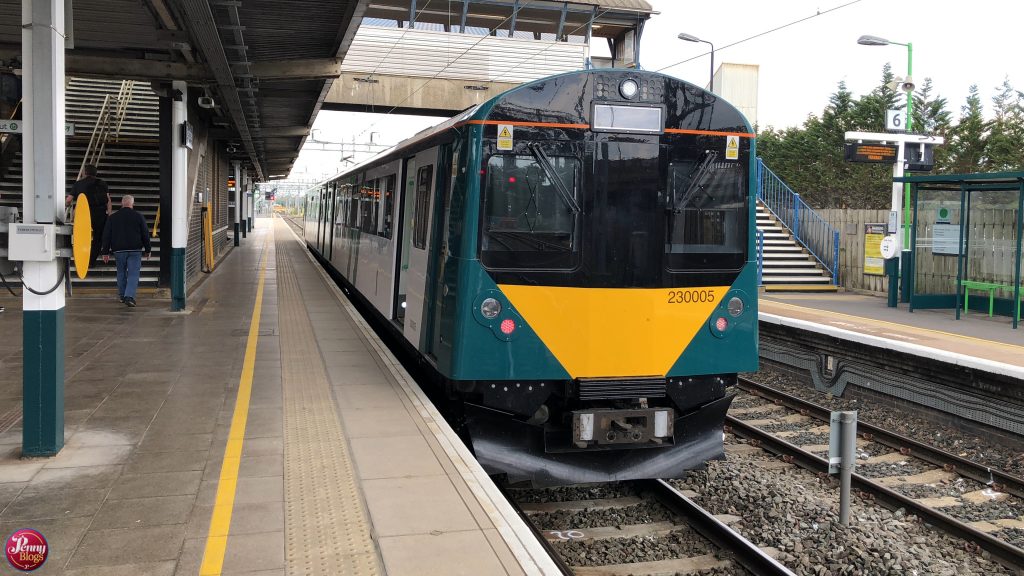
(530, 212)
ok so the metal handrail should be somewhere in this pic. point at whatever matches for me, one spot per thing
(108, 125)
(809, 229)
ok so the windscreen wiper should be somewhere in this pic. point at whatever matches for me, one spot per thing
(697, 176)
(556, 180)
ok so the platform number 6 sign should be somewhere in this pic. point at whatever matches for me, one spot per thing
(895, 120)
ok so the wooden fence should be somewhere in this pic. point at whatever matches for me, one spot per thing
(991, 253)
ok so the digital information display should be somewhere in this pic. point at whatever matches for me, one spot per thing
(871, 153)
(627, 119)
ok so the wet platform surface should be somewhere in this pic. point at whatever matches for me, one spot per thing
(198, 442)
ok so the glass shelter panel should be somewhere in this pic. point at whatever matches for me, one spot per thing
(935, 256)
(991, 251)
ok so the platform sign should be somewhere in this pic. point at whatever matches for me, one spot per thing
(888, 246)
(873, 262)
(16, 127)
(871, 153)
(895, 120)
(505, 137)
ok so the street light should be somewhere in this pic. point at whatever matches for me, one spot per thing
(691, 38)
(868, 40)
(908, 84)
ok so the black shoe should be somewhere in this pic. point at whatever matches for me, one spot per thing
(130, 302)
(120, 299)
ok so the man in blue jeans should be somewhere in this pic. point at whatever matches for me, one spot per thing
(126, 236)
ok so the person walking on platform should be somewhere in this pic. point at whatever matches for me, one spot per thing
(127, 237)
(96, 191)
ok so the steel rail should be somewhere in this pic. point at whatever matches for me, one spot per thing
(744, 552)
(994, 478)
(1004, 552)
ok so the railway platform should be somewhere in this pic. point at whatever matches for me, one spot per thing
(959, 369)
(976, 339)
(266, 430)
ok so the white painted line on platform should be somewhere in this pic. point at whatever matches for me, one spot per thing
(939, 354)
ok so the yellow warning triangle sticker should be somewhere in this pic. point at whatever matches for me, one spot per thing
(504, 133)
(732, 143)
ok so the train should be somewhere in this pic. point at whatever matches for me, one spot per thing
(572, 261)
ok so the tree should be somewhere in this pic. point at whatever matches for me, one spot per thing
(966, 146)
(1004, 147)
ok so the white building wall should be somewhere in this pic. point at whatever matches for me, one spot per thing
(428, 53)
(737, 83)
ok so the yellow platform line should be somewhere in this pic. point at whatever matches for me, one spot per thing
(220, 520)
(894, 324)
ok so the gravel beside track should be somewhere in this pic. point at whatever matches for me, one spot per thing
(792, 510)
(996, 451)
(908, 467)
(678, 544)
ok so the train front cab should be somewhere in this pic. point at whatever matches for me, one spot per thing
(596, 288)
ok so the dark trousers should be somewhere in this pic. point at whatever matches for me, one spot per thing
(98, 222)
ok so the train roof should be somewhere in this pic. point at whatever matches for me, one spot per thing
(732, 121)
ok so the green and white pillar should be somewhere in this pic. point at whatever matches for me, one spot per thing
(179, 201)
(42, 41)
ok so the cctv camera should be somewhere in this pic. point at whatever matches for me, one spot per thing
(205, 102)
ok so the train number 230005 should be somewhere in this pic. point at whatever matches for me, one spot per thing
(690, 296)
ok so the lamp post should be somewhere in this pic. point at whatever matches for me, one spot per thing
(868, 40)
(691, 38)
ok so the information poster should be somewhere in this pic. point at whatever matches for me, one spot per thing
(874, 264)
(945, 237)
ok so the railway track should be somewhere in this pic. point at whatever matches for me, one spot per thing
(638, 528)
(966, 499)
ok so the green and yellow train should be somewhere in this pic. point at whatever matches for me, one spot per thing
(573, 260)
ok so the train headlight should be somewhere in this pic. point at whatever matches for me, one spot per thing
(628, 88)
(735, 307)
(490, 308)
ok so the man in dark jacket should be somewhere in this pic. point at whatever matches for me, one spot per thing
(96, 191)
(126, 236)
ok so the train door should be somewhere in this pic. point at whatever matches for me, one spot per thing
(320, 219)
(438, 256)
(414, 244)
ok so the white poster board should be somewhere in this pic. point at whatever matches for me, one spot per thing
(945, 238)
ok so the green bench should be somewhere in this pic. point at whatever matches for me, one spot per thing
(991, 287)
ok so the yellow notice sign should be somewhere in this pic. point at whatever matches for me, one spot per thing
(873, 262)
(732, 147)
(504, 136)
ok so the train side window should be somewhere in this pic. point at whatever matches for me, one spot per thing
(353, 205)
(422, 214)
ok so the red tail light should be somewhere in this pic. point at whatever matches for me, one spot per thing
(721, 324)
(508, 326)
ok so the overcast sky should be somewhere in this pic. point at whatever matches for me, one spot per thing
(956, 43)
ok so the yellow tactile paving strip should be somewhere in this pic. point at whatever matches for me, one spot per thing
(326, 528)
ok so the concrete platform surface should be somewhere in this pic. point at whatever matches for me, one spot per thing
(976, 340)
(205, 443)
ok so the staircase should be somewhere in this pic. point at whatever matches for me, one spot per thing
(129, 163)
(785, 264)
(797, 249)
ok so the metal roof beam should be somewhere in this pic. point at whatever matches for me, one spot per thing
(205, 31)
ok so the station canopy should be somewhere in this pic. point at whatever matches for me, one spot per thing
(269, 64)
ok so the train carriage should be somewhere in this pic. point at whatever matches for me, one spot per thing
(573, 260)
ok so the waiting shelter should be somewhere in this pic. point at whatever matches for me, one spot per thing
(966, 242)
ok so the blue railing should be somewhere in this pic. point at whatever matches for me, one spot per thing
(807, 227)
